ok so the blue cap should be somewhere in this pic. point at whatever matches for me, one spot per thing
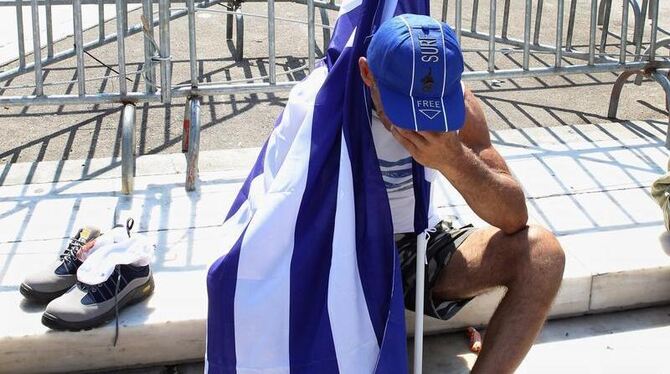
(417, 64)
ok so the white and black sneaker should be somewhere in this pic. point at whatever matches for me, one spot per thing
(87, 306)
(59, 276)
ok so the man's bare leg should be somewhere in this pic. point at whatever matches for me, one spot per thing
(530, 265)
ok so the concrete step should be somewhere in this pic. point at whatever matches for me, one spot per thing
(621, 342)
(589, 184)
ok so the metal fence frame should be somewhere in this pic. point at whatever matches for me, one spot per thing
(157, 54)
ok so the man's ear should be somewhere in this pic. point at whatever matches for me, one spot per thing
(366, 73)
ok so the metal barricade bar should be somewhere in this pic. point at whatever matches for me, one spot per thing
(101, 21)
(311, 37)
(148, 28)
(193, 54)
(79, 46)
(121, 46)
(37, 48)
(50, 31)
(559, 34)
(20, 35)
(526, 34)
(654, 29)
(624, 33)
(592, 32)
(271, 42)
(492, 36)
(166, 64)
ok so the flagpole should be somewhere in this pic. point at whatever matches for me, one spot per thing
(421, 245)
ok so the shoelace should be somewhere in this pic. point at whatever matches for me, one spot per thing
(94, 288)
(129, 226)
(116, 304)
(69, 256)
(84, 287)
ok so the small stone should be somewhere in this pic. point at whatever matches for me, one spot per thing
(610, 348)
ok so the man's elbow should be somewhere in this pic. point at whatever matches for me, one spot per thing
(515, 222)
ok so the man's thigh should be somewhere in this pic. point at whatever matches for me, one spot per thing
(487, 259)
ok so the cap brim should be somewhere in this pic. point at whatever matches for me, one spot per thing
(439, 114)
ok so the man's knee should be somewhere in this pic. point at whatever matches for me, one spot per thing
(541, 260)
(549, 253)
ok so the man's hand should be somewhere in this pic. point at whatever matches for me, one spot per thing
(430, 149)
(468, 160)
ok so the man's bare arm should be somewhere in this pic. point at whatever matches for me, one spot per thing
(469, 161)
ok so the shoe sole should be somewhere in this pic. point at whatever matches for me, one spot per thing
(135, 296)
(40, 297)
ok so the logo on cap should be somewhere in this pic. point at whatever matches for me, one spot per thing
(429, 108)
(429, 50)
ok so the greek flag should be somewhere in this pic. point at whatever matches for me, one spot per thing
(310, 280)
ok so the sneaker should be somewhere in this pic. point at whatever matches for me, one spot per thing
(84, 307)
(54, 280)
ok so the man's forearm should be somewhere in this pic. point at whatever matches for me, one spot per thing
(495, 196)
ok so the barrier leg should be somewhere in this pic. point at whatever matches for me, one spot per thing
(571, 25)
(505, 25)
(193, 144)
(538, 22)
(652, 6)
(239, 29)
(605, 25)
(229, 24)
(326, 31)
(602, 9)
(663, 78)
(616, 91)
(128, 149)
(186, 125)
(639, 25)
(636, 15)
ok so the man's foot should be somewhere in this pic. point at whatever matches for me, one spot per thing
(59, 276)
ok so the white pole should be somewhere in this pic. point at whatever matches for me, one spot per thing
(421, 245)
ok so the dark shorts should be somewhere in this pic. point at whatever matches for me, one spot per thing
(441, 246)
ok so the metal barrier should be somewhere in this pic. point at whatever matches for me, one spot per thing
(590, 59)
(155, 54)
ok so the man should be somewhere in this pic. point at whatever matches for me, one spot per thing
(413, 72)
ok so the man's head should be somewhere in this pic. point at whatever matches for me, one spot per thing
(413, 68)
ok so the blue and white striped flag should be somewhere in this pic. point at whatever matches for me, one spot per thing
(310, 282)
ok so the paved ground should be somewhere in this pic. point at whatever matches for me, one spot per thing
(626, 342)
(70, 132)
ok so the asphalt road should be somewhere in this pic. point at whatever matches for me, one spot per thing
(234, 121)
